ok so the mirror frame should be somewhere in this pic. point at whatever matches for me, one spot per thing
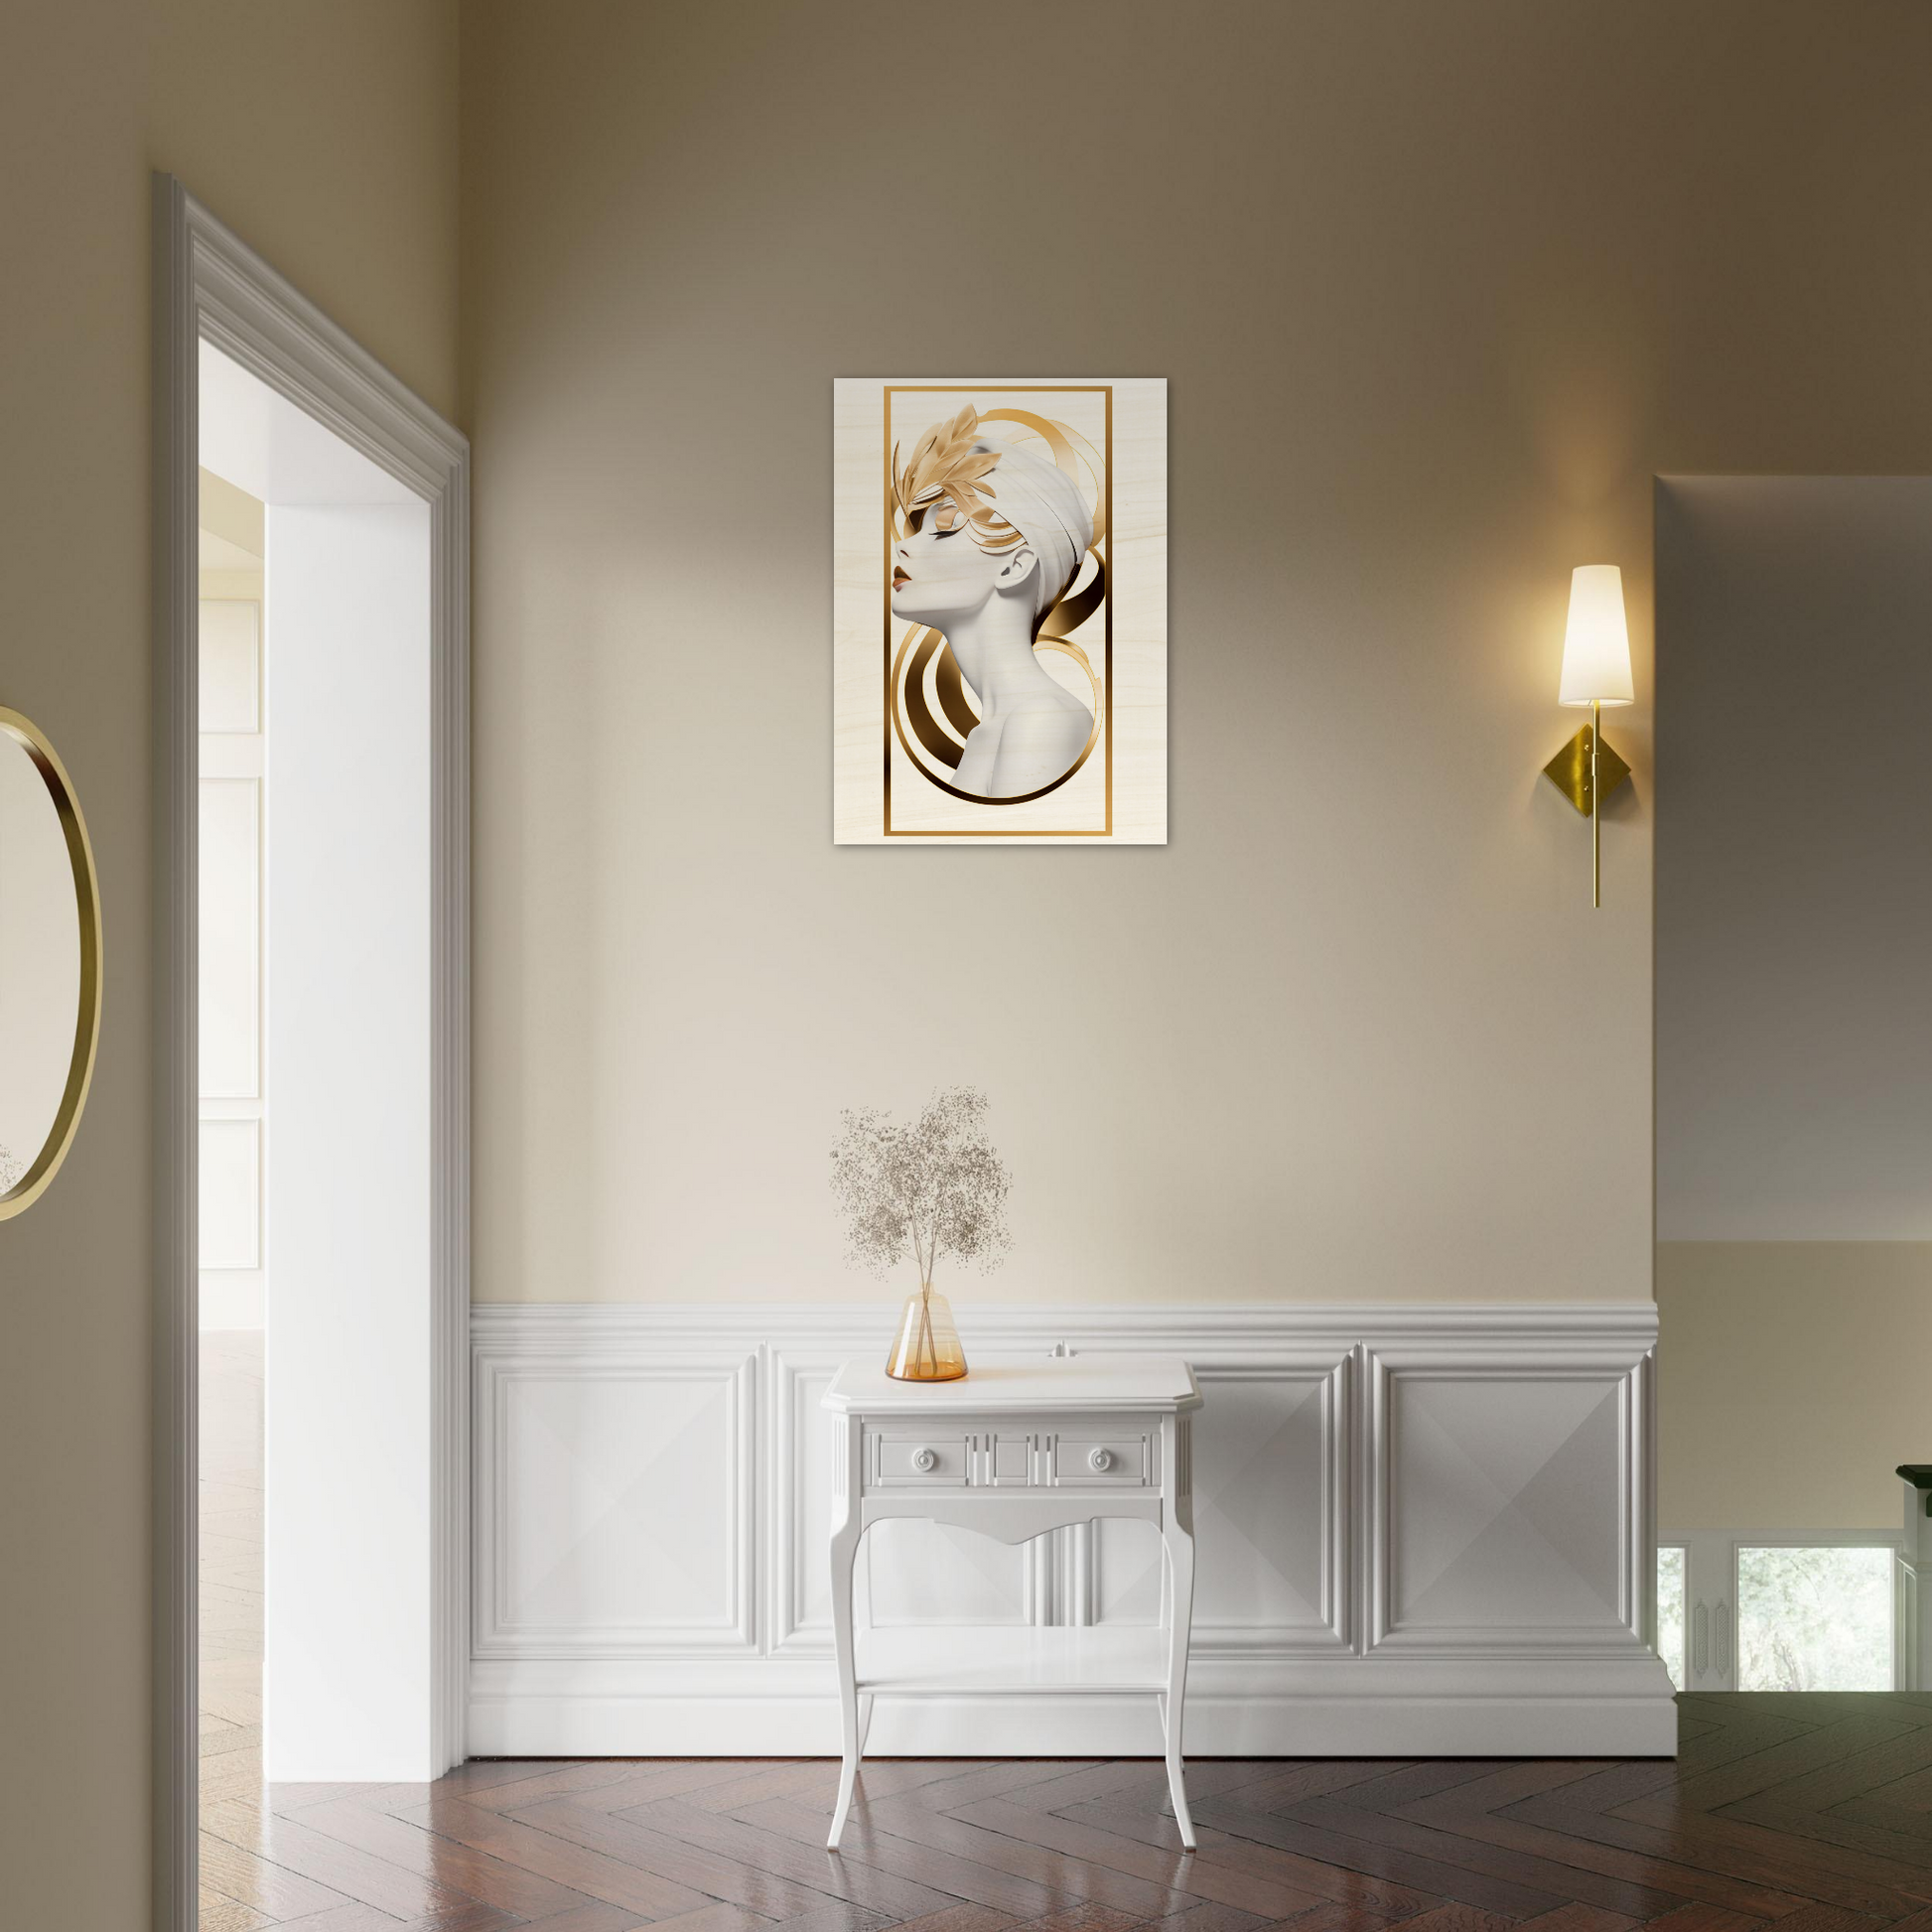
(46, 1163)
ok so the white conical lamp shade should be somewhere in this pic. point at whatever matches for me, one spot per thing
(1596, 646)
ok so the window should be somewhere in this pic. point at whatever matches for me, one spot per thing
(1813, 1619)
(1804, 1611)
(1670, 1614)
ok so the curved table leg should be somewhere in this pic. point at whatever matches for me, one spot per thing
(1179, 1536)
(845, 1552)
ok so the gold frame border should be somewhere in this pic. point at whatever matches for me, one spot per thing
(87, 1030)
(888, 392)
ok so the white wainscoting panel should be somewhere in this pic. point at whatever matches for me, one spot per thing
(1422, 1530)
(1507, 1516)
(1271, 1500)
(798, 1481)
(616, 1505)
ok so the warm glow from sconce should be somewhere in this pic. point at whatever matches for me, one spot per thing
(1596, 646)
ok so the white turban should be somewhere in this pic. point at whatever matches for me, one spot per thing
(1043, 503)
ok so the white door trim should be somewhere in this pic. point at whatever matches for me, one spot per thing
(208, 284)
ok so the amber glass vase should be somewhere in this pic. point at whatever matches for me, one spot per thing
(927, 1347)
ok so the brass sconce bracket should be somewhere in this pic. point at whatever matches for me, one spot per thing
(1587, 771)
(1569, 770)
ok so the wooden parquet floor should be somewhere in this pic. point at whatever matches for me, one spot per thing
(1813, 1811)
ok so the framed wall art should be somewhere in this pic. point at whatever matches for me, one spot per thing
(1000, 610)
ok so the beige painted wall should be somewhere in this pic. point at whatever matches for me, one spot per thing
(1791, 1381)
(1438, 289)
(324, 131)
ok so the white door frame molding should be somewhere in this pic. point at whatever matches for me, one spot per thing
(210, 286)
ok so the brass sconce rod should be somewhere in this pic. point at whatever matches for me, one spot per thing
(1596, 808)
(1587, 771)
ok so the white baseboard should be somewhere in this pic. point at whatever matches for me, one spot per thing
(1423, 1531)
(514, 1714)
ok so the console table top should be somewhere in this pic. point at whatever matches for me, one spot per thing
(1162, 1383)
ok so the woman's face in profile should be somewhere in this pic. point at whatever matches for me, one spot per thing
(940, 574)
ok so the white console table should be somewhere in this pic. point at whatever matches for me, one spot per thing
(1013, 1451)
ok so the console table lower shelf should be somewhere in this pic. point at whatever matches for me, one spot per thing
(1014, 1451)
(977, 1660)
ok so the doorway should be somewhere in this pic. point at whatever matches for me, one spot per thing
(312, 978)
(1794, 1055)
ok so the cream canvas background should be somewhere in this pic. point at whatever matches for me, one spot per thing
(1078, 812)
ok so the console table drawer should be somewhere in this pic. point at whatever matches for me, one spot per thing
(904, 1458)
(1113, 1462)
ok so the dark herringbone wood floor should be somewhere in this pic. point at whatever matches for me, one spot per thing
(1812, 1811)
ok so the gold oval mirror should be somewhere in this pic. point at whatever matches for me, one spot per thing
(50, 963)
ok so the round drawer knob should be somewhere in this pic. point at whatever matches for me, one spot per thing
(1100, 1460)
(924, 1460)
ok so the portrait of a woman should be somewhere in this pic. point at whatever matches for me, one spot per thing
(988, 537)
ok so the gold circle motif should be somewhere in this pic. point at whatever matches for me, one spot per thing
(909, 698)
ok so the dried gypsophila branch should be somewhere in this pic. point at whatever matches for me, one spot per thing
(934, 1185)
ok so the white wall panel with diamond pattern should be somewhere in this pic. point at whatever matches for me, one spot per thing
(1506, 1512)
(615, 1500)
(1420, 1529)
(1271, 1500)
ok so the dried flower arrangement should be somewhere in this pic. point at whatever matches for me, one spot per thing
(12, 1167)
(935, 1187)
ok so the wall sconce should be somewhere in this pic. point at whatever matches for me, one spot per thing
(1595, 672)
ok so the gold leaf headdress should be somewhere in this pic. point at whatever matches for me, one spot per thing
(947, 477)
